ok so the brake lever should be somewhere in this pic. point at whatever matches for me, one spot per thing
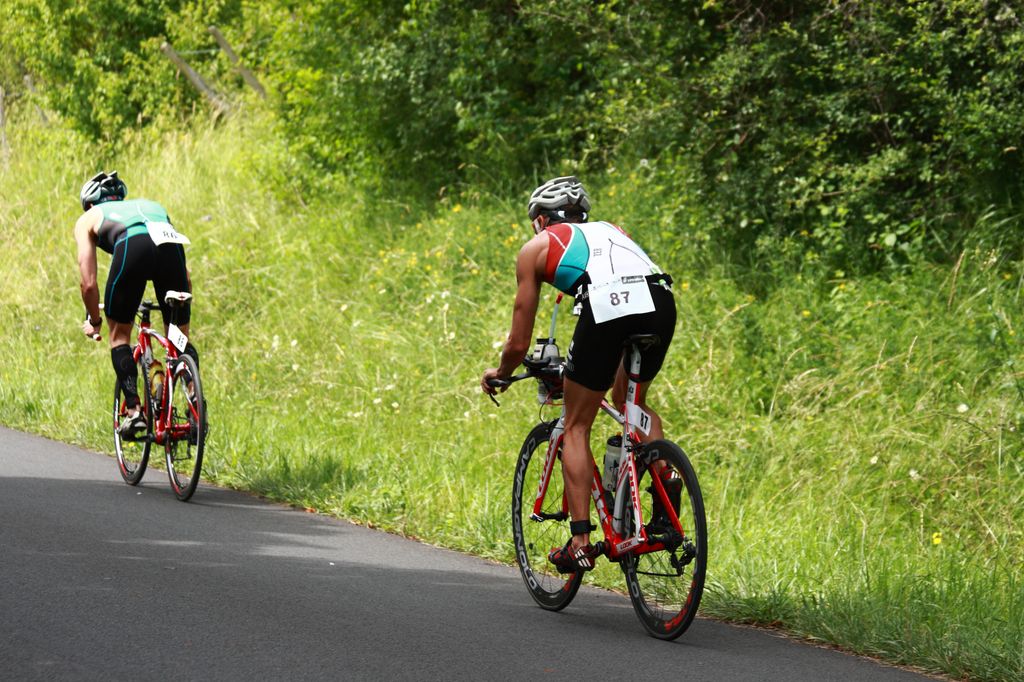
(497, 383)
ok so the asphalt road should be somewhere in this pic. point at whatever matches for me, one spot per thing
(102, 581)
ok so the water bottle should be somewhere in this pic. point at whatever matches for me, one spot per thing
(543, 351)
(156, 384)
(612, 454)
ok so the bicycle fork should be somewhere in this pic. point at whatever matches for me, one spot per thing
(550, 459)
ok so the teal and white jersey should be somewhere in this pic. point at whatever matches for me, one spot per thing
(592, 252)
(119, 216)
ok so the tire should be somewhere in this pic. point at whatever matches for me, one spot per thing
(534, 539)
(184, 451)
(133, 456)
(664, 586)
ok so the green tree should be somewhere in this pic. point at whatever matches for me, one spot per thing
(100, 63)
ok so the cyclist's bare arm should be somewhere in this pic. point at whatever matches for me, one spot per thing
(85, 238)
(529, 270)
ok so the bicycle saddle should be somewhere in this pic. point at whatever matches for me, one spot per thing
(642, 341)
(173, 298)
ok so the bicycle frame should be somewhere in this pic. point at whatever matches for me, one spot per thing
(613, 524)
(163, 430)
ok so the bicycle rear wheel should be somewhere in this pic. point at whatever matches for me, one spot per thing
(186, 438)
(534, 539)
(132, 455)
(666, 586)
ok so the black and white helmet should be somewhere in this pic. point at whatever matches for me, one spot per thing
(558, 194)
(102, 187)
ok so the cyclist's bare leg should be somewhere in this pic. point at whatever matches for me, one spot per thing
(619, 399)
(581, 405)
(120, 332)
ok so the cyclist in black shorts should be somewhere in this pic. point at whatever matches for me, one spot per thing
(145, 247)
(621, 292)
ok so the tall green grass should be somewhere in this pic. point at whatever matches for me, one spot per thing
(857, 439)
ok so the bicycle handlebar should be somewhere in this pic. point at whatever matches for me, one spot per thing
(505, 383)
(535, 369)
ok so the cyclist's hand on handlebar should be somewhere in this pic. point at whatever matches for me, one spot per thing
(91, 330)
(489, 382)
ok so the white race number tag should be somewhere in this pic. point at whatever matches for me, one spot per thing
(175, 336)
(627, 295)
(164, 233)
(639, 419)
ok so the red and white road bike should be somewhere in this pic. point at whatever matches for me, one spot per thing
(172, 401)
(648, 502)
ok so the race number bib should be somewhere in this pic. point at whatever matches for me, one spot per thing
(639, 419)
(627, 295)
(177, 337)
(164, 233)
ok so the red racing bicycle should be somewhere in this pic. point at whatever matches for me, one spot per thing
(648, 501)
(172, 401)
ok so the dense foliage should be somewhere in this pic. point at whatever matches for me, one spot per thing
(852, 131)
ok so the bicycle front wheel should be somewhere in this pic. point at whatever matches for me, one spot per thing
(186, 437)
(534, 538)
(132, 455)
(666, 586)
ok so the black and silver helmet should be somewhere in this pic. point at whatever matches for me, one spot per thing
(559, 194)
(102, 187)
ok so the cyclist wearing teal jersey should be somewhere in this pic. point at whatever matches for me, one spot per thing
(144, 247)
(621, 292)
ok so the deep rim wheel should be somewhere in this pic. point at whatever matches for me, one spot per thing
(666, 586)
(534, 539)
(132, 456)
(184, 453)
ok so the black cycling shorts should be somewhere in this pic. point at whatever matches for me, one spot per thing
(596, 350)
(137, 260)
